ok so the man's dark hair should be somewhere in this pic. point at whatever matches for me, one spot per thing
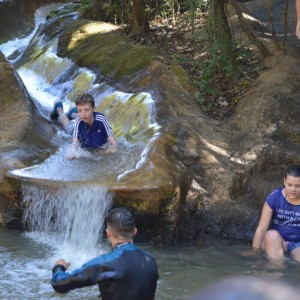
(121, 220)
(85, 99)
(293, 170)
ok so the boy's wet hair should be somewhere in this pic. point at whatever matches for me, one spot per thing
(293, 170)
(85, 99)
(121, 220)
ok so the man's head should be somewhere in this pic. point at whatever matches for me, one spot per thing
(120, 224)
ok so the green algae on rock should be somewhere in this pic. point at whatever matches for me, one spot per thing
(101, 45)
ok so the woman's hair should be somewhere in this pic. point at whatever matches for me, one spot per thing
(85, 99)
(293, 170)
(121, 221)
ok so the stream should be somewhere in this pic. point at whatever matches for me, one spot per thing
(65, 220)
(26, 260)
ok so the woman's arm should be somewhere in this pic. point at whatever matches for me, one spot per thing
(262, 227)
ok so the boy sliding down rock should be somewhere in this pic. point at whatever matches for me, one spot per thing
(91, 129)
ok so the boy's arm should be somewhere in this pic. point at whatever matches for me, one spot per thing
(75, 143)
(72, 151)
(113, 145)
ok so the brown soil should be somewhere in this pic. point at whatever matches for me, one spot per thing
(219, 94)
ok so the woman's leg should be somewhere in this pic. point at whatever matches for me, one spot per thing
(274, 245)
(296, 252)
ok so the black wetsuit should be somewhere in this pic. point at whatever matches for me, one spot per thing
(126, 273)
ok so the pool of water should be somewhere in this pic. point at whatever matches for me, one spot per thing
(26, 260)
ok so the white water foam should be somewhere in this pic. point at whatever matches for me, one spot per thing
(69, 219)
(65, 222)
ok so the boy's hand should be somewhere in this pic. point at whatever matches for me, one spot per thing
(112, 149)
(72, 152)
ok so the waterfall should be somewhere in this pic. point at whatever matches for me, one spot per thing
(49, 78)
(58, 212)
(70, 216)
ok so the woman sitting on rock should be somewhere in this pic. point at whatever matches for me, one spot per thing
(278, 230)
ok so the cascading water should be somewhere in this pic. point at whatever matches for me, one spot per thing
(72, 216)
(49, 78)
(65, 221)
(66, 201)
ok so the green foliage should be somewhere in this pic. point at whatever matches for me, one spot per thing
(217, 68)
(86, 5)
(218, 62)
(219, 83)
(167, 8)
(200, 202)
(194, 5)
(68, 8)
(193, 8)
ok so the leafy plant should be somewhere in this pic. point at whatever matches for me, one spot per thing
(220, 85)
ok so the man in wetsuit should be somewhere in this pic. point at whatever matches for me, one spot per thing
(126, 273)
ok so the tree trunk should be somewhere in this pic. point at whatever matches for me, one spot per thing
(248, 32)
(138, 22)
(270, 16)
(219, 30)
(285, 26)
(96, 11)
(219, 27)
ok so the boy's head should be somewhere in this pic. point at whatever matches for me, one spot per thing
(120, 223)
(85, 99)
(85, 105)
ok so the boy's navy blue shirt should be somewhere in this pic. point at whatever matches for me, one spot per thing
(92, 136)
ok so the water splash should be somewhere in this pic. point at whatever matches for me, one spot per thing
(69, 216)
(57, 168)
(49, 78)
(14, 48)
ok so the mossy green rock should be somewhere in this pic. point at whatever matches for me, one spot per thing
(101, 45)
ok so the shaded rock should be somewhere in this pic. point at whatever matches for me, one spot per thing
(21, 10)
(20, 140)
(14, 122)
(14, 118)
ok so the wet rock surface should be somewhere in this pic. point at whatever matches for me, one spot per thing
(201, 175)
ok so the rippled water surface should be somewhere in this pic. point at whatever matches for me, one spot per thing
(26, 260)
